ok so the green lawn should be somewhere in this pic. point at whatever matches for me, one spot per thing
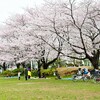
(48, 89)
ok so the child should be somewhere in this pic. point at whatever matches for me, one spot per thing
(29, 74)
(19, 75)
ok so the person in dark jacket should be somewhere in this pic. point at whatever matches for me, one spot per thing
(26, 73)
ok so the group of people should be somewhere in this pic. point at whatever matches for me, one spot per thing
(83, 72)
(27, 74)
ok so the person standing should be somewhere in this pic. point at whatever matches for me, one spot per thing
(19, 75)
(29, 74)
(85, 72)
(26, 73)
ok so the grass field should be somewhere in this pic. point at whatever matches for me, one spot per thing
(48, 89)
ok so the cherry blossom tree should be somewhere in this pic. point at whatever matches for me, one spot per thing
(85, 22)
(43, 32)
(24, 43)
(18, 43)
(79, 28)
(76, 23)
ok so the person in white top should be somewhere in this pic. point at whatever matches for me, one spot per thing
(19, 75)
(79, 73)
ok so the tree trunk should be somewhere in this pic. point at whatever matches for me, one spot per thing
(39, 69)
(95, 63)
(18, 65)
(45, 66)
(95, 59)
(4, 66)
(39, 72)
(23, 64)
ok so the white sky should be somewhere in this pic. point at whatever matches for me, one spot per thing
(11, 7)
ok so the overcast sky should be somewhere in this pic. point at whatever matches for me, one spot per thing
(11, 7)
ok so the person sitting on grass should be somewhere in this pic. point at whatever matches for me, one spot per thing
(86, 73)
(79, 73)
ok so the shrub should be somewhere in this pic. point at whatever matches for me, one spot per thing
(67, 71)
(47, 72)
(15, 71)
(7, 73)
(34, 73)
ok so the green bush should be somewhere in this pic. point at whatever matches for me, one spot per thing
(7, 73)
(47, 72)
(34, 73)
(15, 71)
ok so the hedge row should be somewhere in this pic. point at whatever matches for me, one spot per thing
(34, 73)
(13, 72)
(63, 71)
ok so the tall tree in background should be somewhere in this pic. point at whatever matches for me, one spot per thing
(77, 24)
(4, 66)
(83, 29)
